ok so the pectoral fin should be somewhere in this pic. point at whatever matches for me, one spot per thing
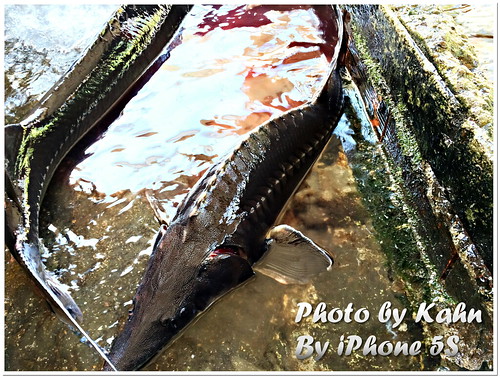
(292, 258)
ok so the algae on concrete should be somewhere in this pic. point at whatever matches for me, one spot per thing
(444, 128)
(447, 47)
(430, 139)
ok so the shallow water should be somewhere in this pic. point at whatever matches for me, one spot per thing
(98, 224)
(37, 53)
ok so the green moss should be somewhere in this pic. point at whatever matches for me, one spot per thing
(390, 203)
(436, 34)
(407, 140)
(431, 124)
(68, 121)
(390, 222)
(382, 198)
(428, 134)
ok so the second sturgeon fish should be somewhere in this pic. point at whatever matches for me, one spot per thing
(224, 225)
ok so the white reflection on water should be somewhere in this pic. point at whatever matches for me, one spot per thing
(41, 43)
(202, 99)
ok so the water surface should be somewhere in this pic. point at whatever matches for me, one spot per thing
(41, 43)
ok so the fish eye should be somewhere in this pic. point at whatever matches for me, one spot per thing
(72, 312)
(166, 321)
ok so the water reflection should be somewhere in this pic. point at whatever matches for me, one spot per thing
(37, 53)
(99, 226)
(195, 110)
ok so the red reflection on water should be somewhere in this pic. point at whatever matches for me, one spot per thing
(302, 55)
(265, 87)
(275, 65)
(255, 16)
(251, 121)
(242, 16)
(329, 29)
(258, 87)
(242, 125)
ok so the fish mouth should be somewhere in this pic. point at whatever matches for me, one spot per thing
(130, 366)
(136, 348)
(125, 356)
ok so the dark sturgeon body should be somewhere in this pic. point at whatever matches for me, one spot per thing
(96, 87)
(219, 231)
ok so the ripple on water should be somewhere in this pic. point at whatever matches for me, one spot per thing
(39, 48)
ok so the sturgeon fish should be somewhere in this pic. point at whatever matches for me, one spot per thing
(224, 228)
(108, 74)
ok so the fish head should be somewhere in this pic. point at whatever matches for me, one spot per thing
(184, 276)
